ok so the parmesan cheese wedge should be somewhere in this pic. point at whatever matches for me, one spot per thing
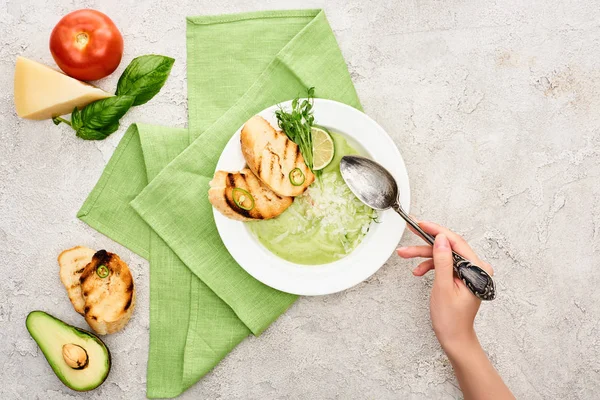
(42, 92)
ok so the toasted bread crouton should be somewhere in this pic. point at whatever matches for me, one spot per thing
(271, 155)
(263, 204)
(109, 293)
(72, 262)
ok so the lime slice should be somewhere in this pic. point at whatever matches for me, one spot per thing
(323, 148)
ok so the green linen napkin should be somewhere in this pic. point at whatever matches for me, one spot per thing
(152, 197)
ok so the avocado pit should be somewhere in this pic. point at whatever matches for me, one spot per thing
(75, 356)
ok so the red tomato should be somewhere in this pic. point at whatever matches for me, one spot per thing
(86, 45)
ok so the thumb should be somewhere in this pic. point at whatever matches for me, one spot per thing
(442, 259)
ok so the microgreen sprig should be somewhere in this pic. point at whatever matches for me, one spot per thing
(297, 125)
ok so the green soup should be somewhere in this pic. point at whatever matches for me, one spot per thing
(324, 224)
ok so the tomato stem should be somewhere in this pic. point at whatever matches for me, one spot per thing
(82, 39)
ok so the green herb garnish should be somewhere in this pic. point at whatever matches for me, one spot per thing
(142, 79)
(297, 125)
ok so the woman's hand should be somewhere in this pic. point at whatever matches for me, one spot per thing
(452, 306)
(453, 309)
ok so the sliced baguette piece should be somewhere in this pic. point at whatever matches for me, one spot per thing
(267, 204)
(72, 262)
(109, 301)
(271, 155)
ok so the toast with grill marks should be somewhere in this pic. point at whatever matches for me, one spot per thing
(109, 297)
(266, 203)
(271, 155)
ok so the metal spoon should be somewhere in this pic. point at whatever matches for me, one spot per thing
(376, 187)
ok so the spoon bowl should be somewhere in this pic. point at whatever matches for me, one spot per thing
(376, 187)
(370, 182)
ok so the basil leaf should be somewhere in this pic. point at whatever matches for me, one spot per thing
(76, 120)
(110, 129)
(91, 134)
(144, 77)
(105, 112)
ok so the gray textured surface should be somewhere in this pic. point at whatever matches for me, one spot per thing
(494, 106)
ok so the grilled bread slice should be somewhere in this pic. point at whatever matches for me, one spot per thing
(72, 262)
(263, 204)
(108, 292)
(271, 155)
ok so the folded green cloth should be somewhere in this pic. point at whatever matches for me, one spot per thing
(152, 197)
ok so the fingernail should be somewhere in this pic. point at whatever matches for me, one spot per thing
(441, 242)
(401, 248)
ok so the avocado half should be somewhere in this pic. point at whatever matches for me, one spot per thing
(78, 357)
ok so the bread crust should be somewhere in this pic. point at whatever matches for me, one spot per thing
(72, 262)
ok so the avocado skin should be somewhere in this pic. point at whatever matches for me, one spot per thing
(79, 332)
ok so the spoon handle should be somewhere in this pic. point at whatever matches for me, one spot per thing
(479, 282)
(426, 236)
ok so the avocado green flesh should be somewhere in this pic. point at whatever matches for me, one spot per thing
(52, 334)
(300, 236)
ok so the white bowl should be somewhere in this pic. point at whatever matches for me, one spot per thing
(376, 247)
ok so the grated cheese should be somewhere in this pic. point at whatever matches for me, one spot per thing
(330, 204)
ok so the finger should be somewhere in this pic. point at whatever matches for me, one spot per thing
(409, 226)
(415, 251)
(442, 259)
(423, 268)
(457, 242)
(460, 287)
